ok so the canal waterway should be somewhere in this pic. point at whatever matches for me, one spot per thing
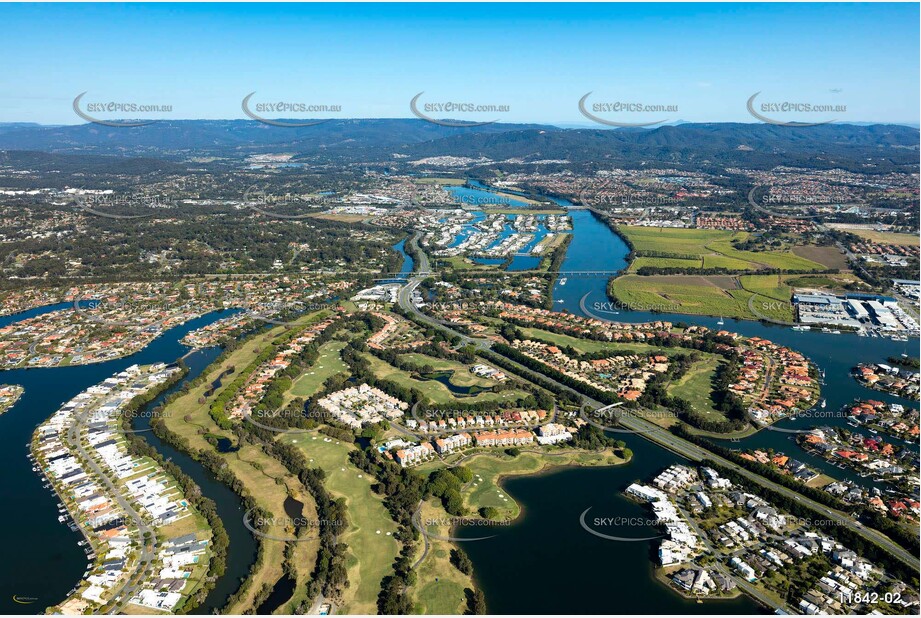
(548, 543)
(43, 561)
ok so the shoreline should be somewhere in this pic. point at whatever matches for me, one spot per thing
(547, 467)
(660, 574)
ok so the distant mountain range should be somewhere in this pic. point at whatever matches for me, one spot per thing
(240, 136)
(869, 147)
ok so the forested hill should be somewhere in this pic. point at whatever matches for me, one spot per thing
(878, 148)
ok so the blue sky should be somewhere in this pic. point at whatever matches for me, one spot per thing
(538, 59)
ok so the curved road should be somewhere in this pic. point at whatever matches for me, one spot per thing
(665, 438)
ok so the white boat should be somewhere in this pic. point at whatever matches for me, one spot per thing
(720, 323)
(563, 281)
(559, 301)
(822, 404)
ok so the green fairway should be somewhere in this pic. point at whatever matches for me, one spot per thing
(328, 365)
(372, 548)
(462, 375)
(696, 386)
(439, 587)
(588, 345)
(490, 467)
(435, 391)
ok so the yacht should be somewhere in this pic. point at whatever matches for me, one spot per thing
(822, 405)
(563, 281)
(720, 323)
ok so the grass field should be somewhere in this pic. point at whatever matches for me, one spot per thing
(828, 256)
(696, 386)
(262, 476)
(886, 238)
(588, 345)
(658, 262)
(462, 375)
(439, 587)
(436, 391)
(328, 365)
(714, 248)
(490, 466)
(831, 282)
(372, 548)
(705, 295)
(459, 262)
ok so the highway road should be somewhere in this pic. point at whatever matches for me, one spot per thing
(666, 439)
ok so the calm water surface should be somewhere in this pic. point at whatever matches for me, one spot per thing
(48, 562)
(548, 545)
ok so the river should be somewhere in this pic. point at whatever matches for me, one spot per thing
(592, 575)
(588, 574)
(48, 562)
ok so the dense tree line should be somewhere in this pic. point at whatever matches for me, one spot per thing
(563, 395)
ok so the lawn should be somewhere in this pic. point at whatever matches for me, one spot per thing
(704, 295)
(328, 364)
(714, 246)
(435, 391)
(372, 548)
(696, 386)
(589, 345)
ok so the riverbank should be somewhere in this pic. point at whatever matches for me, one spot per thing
(101, 478)
(445, 589)
(262, 481)
(9, 395)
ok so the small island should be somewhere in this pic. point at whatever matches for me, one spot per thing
(9, 395)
